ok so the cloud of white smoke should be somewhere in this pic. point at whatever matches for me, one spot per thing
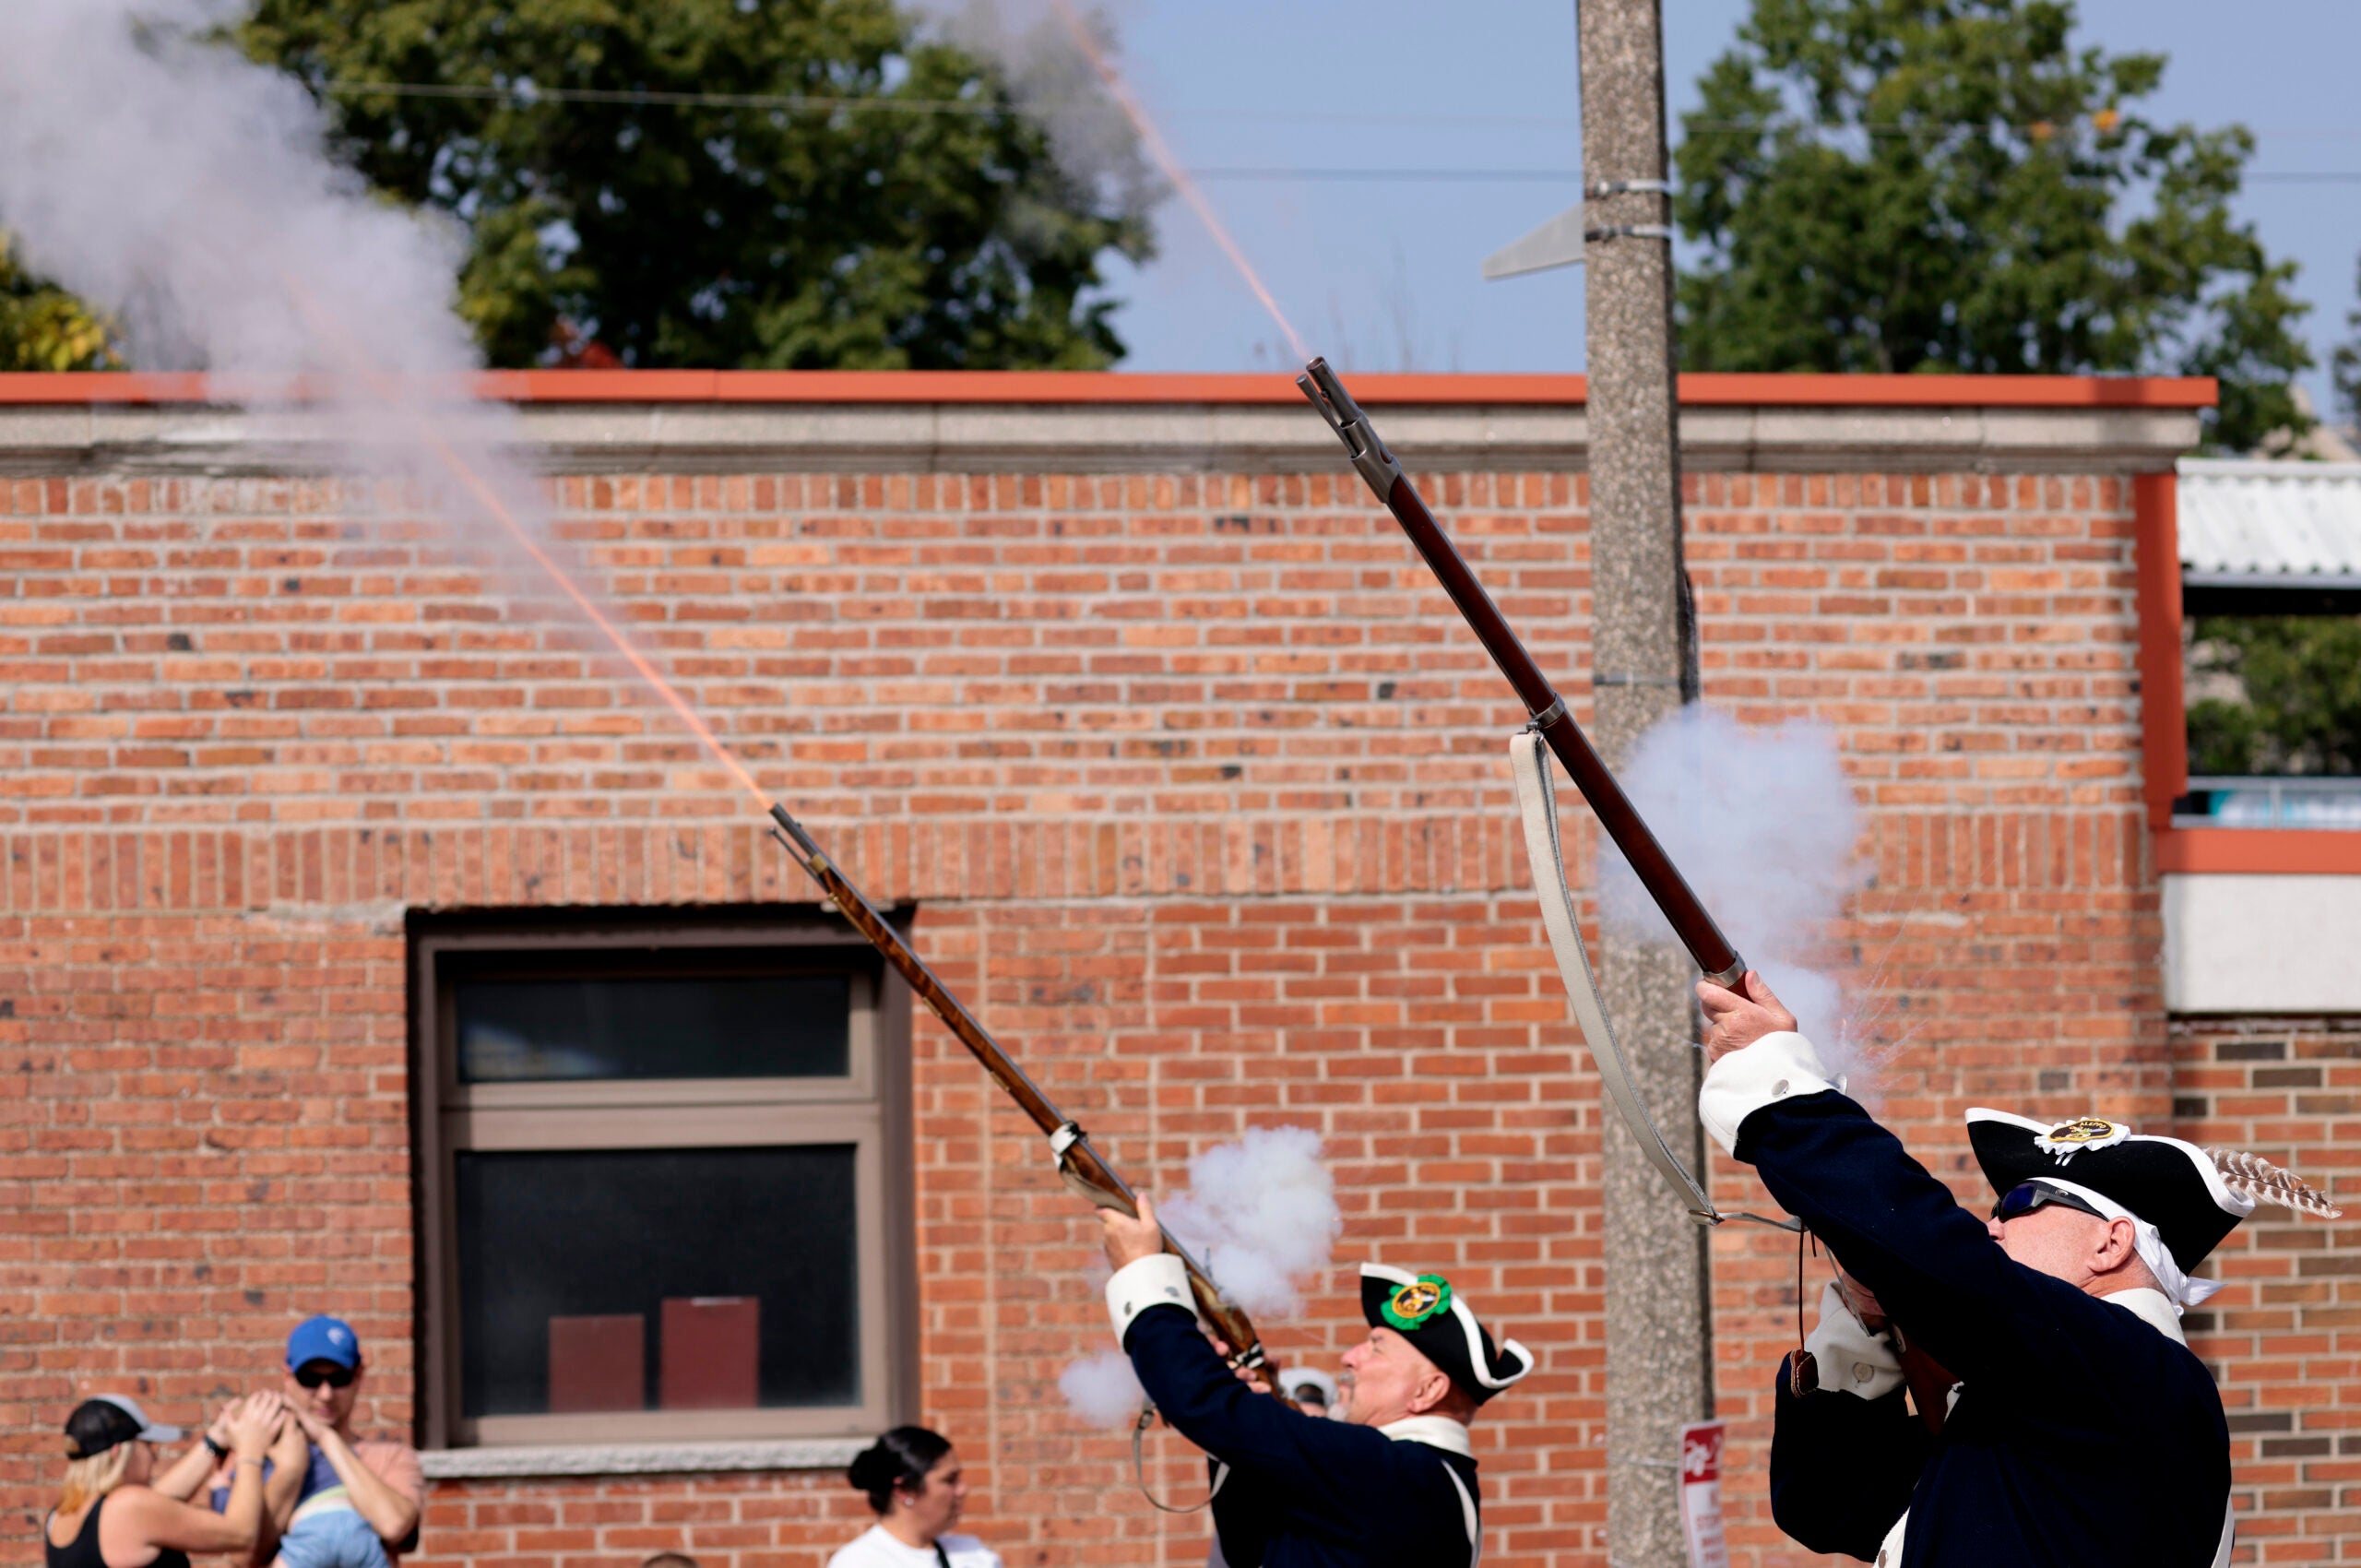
(1260, 1215)
(1102, 1389)
(1056, 86)
(1763, 825)
(165, 177)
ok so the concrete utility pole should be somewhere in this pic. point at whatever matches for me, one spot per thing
(1658, 1345)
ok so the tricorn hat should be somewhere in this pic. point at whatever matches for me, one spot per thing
(1425, 1310)
(2193, 1196)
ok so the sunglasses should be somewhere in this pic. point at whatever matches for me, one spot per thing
(313, 1373)
(2027, 1196)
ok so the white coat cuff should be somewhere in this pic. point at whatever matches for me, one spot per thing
(1151, 1281)
(1776, 1067)
(1850, 1357)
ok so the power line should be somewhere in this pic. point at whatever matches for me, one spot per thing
(528, 94)
(1570, 176)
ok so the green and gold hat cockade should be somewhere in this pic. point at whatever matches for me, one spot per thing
(1425, 1297)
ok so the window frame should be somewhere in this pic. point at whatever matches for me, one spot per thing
(868, 1107)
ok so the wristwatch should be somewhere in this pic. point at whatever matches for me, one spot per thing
(216, 1448)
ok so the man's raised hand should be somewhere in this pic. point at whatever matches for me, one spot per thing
(1128, 1238)
(1736, 1020)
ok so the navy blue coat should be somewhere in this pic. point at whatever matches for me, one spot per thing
(2081, 1435)
(1303, 1492)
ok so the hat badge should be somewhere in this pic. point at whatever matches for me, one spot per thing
(2067, 1139)
(1423, 1298)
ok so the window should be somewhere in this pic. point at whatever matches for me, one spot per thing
(662, 1182)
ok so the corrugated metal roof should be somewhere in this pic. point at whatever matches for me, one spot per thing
(2293, 523)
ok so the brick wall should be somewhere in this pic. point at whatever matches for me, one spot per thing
(2284, 1335)
(1197, 784)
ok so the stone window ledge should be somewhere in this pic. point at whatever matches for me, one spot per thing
(641, 1458)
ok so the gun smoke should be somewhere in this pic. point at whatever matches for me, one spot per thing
(1763, 825)
(1261, 1215)
(153, 169)
(1102, 1390)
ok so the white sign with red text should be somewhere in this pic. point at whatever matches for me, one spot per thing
(1701, 1494)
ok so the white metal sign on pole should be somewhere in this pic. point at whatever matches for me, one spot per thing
(1701, 1494)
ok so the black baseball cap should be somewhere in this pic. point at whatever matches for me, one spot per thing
(102, 1422)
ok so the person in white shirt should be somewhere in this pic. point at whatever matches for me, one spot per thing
(914, 1481)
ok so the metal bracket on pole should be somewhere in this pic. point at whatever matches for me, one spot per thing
(1630, 230)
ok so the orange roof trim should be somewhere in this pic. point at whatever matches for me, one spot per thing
(1117, 387)
(2268, 851)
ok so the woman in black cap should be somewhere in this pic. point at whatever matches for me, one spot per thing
(108, 1515)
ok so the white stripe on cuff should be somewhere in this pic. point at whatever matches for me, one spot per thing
(1147, 1282)
(1776, 1067)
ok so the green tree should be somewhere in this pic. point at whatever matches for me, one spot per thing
(1950, 185)
(44, 328)
(2296, 707)
(2344, 368)
(911, 217)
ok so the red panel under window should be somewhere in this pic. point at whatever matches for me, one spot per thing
(598, 1363)
(710, 1356)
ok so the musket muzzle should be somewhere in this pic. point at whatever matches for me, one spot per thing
(1352, 427)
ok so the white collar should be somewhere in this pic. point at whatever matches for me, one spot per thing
(1435, 1431)
(2152, 1308)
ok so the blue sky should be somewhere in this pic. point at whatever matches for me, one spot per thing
(1381, 273)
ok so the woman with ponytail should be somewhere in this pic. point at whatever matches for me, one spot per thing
(914, 1483)
(118, 1509)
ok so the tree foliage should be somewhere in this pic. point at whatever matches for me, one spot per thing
(44, 328)
(1897, 185)
(675, 227)
(2299, 705)
(2345, 366)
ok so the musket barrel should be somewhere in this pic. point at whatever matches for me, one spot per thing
(1080, 1164)
(1694, 926)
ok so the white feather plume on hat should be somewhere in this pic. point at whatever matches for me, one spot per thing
(2256, 1179)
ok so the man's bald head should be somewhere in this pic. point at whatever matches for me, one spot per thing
(2095, 1254)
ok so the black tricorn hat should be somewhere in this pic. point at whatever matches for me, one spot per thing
(2175, 1186)
(1425, 1310)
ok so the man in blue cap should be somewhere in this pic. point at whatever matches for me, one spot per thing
(357, 1502)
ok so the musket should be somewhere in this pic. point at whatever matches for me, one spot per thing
(1551, 718)
(1695, 928)
(1079, 1164)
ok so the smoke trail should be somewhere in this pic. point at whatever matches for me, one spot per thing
(153, 169)
(1260, 1214)
(1152, 140)
(1763, 825)
(1056, 87)
(184, 187)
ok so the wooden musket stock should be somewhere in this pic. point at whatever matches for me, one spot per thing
(1695, 928)
(1078, 1163)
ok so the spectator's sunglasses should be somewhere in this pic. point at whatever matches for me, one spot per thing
(310, 1374)
(2027, 1196)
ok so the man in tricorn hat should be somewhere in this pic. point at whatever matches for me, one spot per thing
(2081, 1428)
(1389, 1477)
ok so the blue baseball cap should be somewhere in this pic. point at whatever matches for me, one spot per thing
(323, 1339)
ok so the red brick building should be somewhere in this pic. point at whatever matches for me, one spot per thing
(1188, 780)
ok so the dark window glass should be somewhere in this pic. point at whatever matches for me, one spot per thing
(738, 1264)
(790, 1026)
